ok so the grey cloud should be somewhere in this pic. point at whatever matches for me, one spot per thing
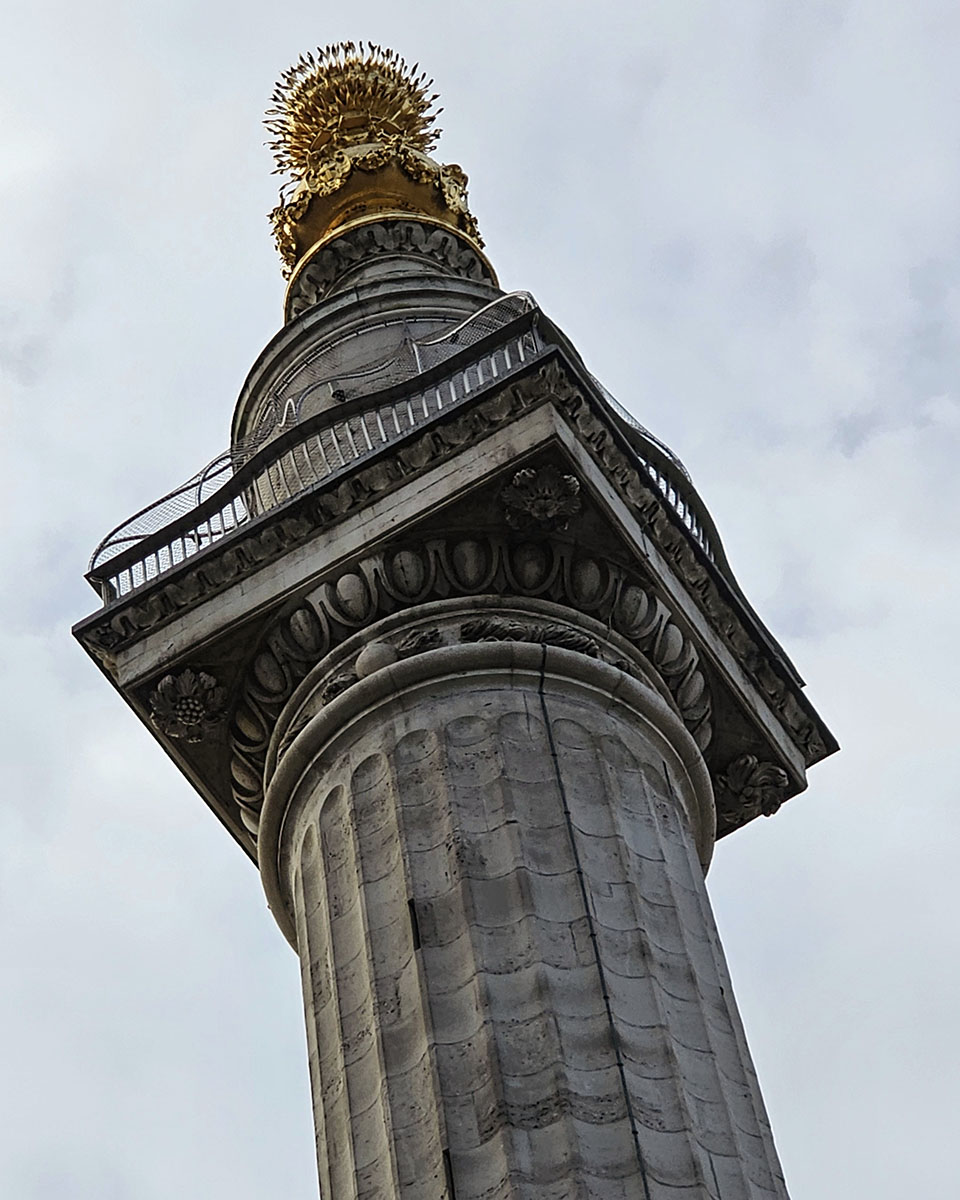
(746, 219)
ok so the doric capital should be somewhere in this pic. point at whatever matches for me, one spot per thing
(507, 478)
(320, 726)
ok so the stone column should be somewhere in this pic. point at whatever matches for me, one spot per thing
(490, 856)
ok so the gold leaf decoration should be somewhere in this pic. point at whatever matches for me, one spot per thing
(344, 113)
(342, 96)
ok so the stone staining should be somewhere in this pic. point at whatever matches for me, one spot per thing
(457, 567)
(569, 975)
(478, 699)
(541, 499)
(188, 705)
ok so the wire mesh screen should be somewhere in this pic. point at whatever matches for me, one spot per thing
(282, 412)
(324, 380)
(216, 502)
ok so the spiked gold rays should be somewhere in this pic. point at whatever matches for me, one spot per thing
(344, 96)
(351, 127)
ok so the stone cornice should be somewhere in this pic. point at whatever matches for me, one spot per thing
(716, 596)
(552, 380)
(268, 537)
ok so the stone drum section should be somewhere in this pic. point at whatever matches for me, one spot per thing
(511, 970)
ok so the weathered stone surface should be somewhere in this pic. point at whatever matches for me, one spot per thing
(463, 698)
(309, 545)
(488, 857)
(391, 245)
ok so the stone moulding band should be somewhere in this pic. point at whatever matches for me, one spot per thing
(322, 267)
(461, 620)
(448, 666)
(491, 568)
(551, 382)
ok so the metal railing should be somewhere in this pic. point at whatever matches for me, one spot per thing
(683, 499)
(282, 412)
(224, 497)
(320, 377)
(317, 450)
(672, 479)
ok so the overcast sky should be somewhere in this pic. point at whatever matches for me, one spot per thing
(747, 217)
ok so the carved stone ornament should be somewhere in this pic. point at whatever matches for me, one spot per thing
(240, 556)
(759, 787)
(417, 642)
(440, 246)
(338, 684)
(440, 569)
(493, 629)
(541, 498)
(187, 706)
(333, 168)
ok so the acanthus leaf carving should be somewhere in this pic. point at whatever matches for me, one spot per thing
(338, 684)
(494, 629)
(417, 642)
(541, 498)
(187, 705)
(399, 577)
(756, 787)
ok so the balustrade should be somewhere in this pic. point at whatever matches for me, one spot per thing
(223, 498)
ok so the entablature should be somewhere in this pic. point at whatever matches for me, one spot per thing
(322, 558)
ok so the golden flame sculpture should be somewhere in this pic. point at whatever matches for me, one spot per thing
(341, 97)
(352, 128)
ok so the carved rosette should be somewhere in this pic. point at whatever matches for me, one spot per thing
(187, 706)
(755, 787)
(541, 498)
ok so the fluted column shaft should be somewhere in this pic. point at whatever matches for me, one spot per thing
(491, 858)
